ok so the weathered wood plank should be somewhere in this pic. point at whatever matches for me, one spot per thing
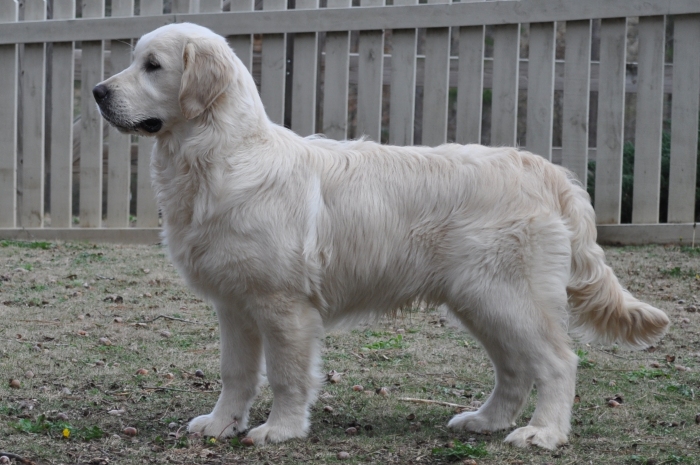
(91, 127)
(504, 105)
(540, 91)
(611, 120)
(119, 154)
(640, 234)
(684, 118)
(273, 67)
(146, 207)
(110, 235)
(330, 19)
(242, 44)
(62, 123)
(577, 71)
(184, 6)
(402, 98)
(33, 108)
(335, 81)
(648, 130)
(369, 85)
(8, 122)
(435, 90)
(303, 120)
(470, 84)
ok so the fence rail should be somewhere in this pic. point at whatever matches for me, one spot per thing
(498, 71)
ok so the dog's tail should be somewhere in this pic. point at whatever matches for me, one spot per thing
(600, 309)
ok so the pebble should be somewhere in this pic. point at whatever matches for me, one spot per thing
(29, 374)
(4, 459)
(166, 333)
(130, 431)
(142, 372)
(358, 388)
(352, 431)
(199, 374)
(168, 376)
(343, 455)
(62, 416)
(15, 384)
(66, 392)
(105, 341)
(328, 409)
(99, 363)
(247, 441)
(382, 391)
(172, 425)
(691, 309)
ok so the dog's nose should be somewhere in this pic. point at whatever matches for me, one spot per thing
(100, 92)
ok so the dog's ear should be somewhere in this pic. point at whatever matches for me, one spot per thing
(208, 71)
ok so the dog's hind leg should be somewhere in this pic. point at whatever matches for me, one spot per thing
(241, 357)
(526, 346)
(292, 335)
(519, 314)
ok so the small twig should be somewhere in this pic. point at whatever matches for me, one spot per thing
(435, 402)
(172, 318)
(42, 343)
(46, 322)
(154, 388)
(19, 458)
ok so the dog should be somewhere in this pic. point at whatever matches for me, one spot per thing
(288, 236)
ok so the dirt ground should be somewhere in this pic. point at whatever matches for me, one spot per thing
(96, 339)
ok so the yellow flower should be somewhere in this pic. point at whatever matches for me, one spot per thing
(66, 433)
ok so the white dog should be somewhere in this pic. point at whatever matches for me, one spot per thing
(287, 236)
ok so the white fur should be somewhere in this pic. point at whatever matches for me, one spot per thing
(287, 235)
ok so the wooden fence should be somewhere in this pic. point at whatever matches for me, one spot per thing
(371, 69)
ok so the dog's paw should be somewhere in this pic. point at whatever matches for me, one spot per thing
(210, 425)
(547, 438)
(477, 422)
(267, 433)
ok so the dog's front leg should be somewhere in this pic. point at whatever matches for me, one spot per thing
(241, 354)
(292, 331)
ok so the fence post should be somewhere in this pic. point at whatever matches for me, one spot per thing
(119, 152)
(335, 81)
(304, 77)
(370, 68)
(436, 83)
(241, 44)
(146, 208)
(577, 81)
(33, 108)
(540, 89)
(684, 119)
(648, 131)
(8, 122)
(273, 68)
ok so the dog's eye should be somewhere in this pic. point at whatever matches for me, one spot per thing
(152, 65)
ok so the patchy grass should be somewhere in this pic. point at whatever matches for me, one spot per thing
(84, 319)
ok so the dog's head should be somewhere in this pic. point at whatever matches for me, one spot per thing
(178, 72)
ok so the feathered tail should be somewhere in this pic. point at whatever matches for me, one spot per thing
(601, 310)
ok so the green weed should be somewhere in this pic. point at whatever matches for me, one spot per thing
(460, 451)
(392, 343)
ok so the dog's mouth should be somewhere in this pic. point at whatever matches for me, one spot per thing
(150, 125)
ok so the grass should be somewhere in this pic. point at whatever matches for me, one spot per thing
(58, 301)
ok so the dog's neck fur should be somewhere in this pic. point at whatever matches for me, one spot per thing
(182, 171)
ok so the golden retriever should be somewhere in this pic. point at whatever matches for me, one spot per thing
(287, 236)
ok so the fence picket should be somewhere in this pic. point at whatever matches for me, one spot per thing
(436, 87)
(33, 107)
(146, 207)
(119, 153)
(62, 69)
(8, 122)
(335, 81)
(369, 80)
(648, 131)
(577, 72)
(506, 52)
(540, 89)
(611, 124)
(92, 72)
(470, 84)
(402, 98)
(273, 68)
(303, 119)
(684, 117)
(183, 6)
(241, 44)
